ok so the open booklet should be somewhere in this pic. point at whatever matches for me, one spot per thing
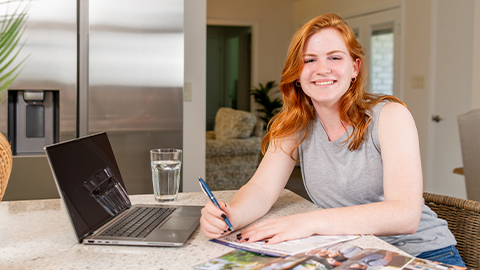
(340, 256)
(287, 248)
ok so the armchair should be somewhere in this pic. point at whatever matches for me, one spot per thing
(463, 218)
(232, 149)
(469, 128)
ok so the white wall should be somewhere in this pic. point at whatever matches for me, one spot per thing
(476, 57)
(308, 9)
(194, 111)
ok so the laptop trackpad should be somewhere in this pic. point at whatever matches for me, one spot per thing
(179, 223)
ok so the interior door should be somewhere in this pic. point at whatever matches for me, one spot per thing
(451, 97)
(228, 69)
(215, 76)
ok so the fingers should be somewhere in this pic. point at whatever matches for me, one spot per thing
(263, 231)
(226, 209)
(268, 237)
(276, 239)
(212, 222)
(272, 232)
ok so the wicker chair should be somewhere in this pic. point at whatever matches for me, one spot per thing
(463, 217)
(5, 164)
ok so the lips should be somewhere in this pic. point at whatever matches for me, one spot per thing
(322, 83)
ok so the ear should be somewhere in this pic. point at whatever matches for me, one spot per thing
(356, 67)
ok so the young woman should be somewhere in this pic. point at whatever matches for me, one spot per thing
(358, 151)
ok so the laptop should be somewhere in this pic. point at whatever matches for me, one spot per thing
(89, 182)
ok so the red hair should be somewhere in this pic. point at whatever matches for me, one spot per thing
(298, 111)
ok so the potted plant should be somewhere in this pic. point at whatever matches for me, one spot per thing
(270, 106)
(11, 29)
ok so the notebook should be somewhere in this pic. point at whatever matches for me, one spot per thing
(89, 182)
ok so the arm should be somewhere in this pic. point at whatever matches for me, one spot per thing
(403, 186)
(256, 197)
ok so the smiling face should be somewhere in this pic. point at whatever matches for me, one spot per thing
(328, 68)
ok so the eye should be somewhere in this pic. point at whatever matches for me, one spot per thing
(306, 61)
(336, 58)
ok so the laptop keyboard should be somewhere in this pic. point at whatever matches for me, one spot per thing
(139, 222)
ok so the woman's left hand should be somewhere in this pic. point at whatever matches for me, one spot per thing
(278, 230)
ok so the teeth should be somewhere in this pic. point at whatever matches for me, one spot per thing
(324, 83)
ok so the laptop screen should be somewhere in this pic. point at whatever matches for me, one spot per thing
(89, 180)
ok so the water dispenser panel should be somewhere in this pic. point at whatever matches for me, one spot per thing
(33, 120)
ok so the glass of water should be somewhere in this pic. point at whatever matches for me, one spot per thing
(166, 164)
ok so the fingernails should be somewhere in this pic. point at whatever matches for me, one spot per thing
(266, 241)
(229, 229)
(246, 239)
(225, 204)
(223, 232)
(224, 216)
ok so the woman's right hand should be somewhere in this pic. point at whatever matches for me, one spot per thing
(212, 222)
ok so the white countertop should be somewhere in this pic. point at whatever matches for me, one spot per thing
(38, 234)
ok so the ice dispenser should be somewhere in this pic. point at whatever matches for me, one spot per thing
(33, 120)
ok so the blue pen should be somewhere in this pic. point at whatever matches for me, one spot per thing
(209, 194)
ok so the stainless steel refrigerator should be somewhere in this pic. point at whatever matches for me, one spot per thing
(118, 67)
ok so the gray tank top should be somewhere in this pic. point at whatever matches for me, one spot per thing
(337, 177)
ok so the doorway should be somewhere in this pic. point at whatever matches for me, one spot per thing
(228, 69)
(379, 34)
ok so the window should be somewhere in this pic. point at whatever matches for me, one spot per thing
(381, 61)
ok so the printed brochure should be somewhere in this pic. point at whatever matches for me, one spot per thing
(340, 256)
(287, 248)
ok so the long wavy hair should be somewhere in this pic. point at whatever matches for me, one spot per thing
(298, 111)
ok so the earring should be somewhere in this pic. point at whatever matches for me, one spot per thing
(298, 84)
(351, 84)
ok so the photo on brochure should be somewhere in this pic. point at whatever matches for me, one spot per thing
(343, 256)
(326, 257)
(375, 259)
(422, 264)
(237, 259)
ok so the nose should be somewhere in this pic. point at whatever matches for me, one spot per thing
(322, 68)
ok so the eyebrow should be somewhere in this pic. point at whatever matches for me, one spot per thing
(328, 53)
(336, 51)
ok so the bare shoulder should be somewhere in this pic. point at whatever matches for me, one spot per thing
(396, 121)
(395, 111)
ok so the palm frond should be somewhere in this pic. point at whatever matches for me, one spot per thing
(11, 30)
(261, 95)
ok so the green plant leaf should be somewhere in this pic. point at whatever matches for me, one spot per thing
(261, 95)
(12, 27)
